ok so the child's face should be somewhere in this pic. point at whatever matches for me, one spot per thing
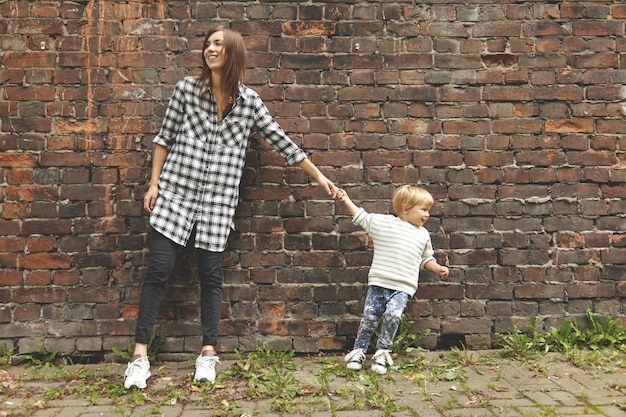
(416, 215)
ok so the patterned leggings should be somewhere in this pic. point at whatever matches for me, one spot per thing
(381, 303)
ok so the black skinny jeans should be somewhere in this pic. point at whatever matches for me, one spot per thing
(160, 265)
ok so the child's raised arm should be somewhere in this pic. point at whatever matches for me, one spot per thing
(343, 197)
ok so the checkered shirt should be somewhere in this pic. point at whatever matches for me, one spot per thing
(199, 182)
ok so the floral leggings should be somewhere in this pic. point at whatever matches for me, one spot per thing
(381, 303)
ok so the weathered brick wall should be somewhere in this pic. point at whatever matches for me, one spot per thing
(510, 113)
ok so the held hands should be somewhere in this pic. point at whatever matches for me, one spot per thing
(340, 195)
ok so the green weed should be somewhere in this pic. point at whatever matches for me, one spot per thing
(154, 346)
(52, 393)
(448, 372)
(270, 375)
(228, 409)
(548, 411)
(40, 357)
(404, 339)
(581, 345)
(373, 396)
(5, 355)
(450, 403)
(520, 344)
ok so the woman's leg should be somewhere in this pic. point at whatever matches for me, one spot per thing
(210, 275)
(160, 264)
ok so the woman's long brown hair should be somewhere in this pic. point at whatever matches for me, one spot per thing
(234, 68)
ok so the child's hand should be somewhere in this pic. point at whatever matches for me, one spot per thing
(443, 272)
(341, 194)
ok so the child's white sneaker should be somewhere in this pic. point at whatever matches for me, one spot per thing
(137, 372)
(380, 361)
(355, 359)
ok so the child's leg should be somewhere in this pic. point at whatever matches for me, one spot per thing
(374, 306)
(396, 303)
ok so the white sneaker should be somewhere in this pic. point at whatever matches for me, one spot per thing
(137, 372)
(380, 360)
(205, 368)
(355, 359)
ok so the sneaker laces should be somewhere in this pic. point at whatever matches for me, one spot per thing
(208, 361)
(383, 357)
(356, 355)
(135, 368)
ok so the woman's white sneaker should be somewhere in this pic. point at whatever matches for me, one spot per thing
(205, 368)
(137, 372)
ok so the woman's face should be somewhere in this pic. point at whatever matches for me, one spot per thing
(214, 51)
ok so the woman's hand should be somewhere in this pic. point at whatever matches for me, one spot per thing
(307, 166)
(331, 189)
(149, 200)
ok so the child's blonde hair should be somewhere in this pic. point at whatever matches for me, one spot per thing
(408, 196)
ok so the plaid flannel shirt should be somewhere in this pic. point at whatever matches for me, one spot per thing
(199, 182)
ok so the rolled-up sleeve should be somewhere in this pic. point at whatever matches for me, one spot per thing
(428, 254)
(174, 116)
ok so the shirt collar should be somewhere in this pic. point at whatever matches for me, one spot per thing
(243, 92)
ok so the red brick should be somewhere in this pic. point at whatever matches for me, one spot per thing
(41, 243)
(362, 93)
(597, 28)
(30, 312)
(29, 60)
(45, 261)
(31, 193)
(591, 290)
(46, 227)
(467, 326)
(10, 278)
(474, 257)
(570, 126)
(38, 278)
(11, 244)
(28, 125)
(386, 159)
(45, 295)
(304, 259)
(89, 295)
(539, 291)
(440, 291)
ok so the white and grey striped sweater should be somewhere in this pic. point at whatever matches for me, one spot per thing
(400, 250)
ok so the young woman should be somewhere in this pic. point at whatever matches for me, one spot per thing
(197, 165)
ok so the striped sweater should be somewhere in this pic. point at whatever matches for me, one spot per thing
(400, 250)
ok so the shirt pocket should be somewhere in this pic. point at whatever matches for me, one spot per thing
(233, 133)
(197, 126)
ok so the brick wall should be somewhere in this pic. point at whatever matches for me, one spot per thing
(511, 114)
